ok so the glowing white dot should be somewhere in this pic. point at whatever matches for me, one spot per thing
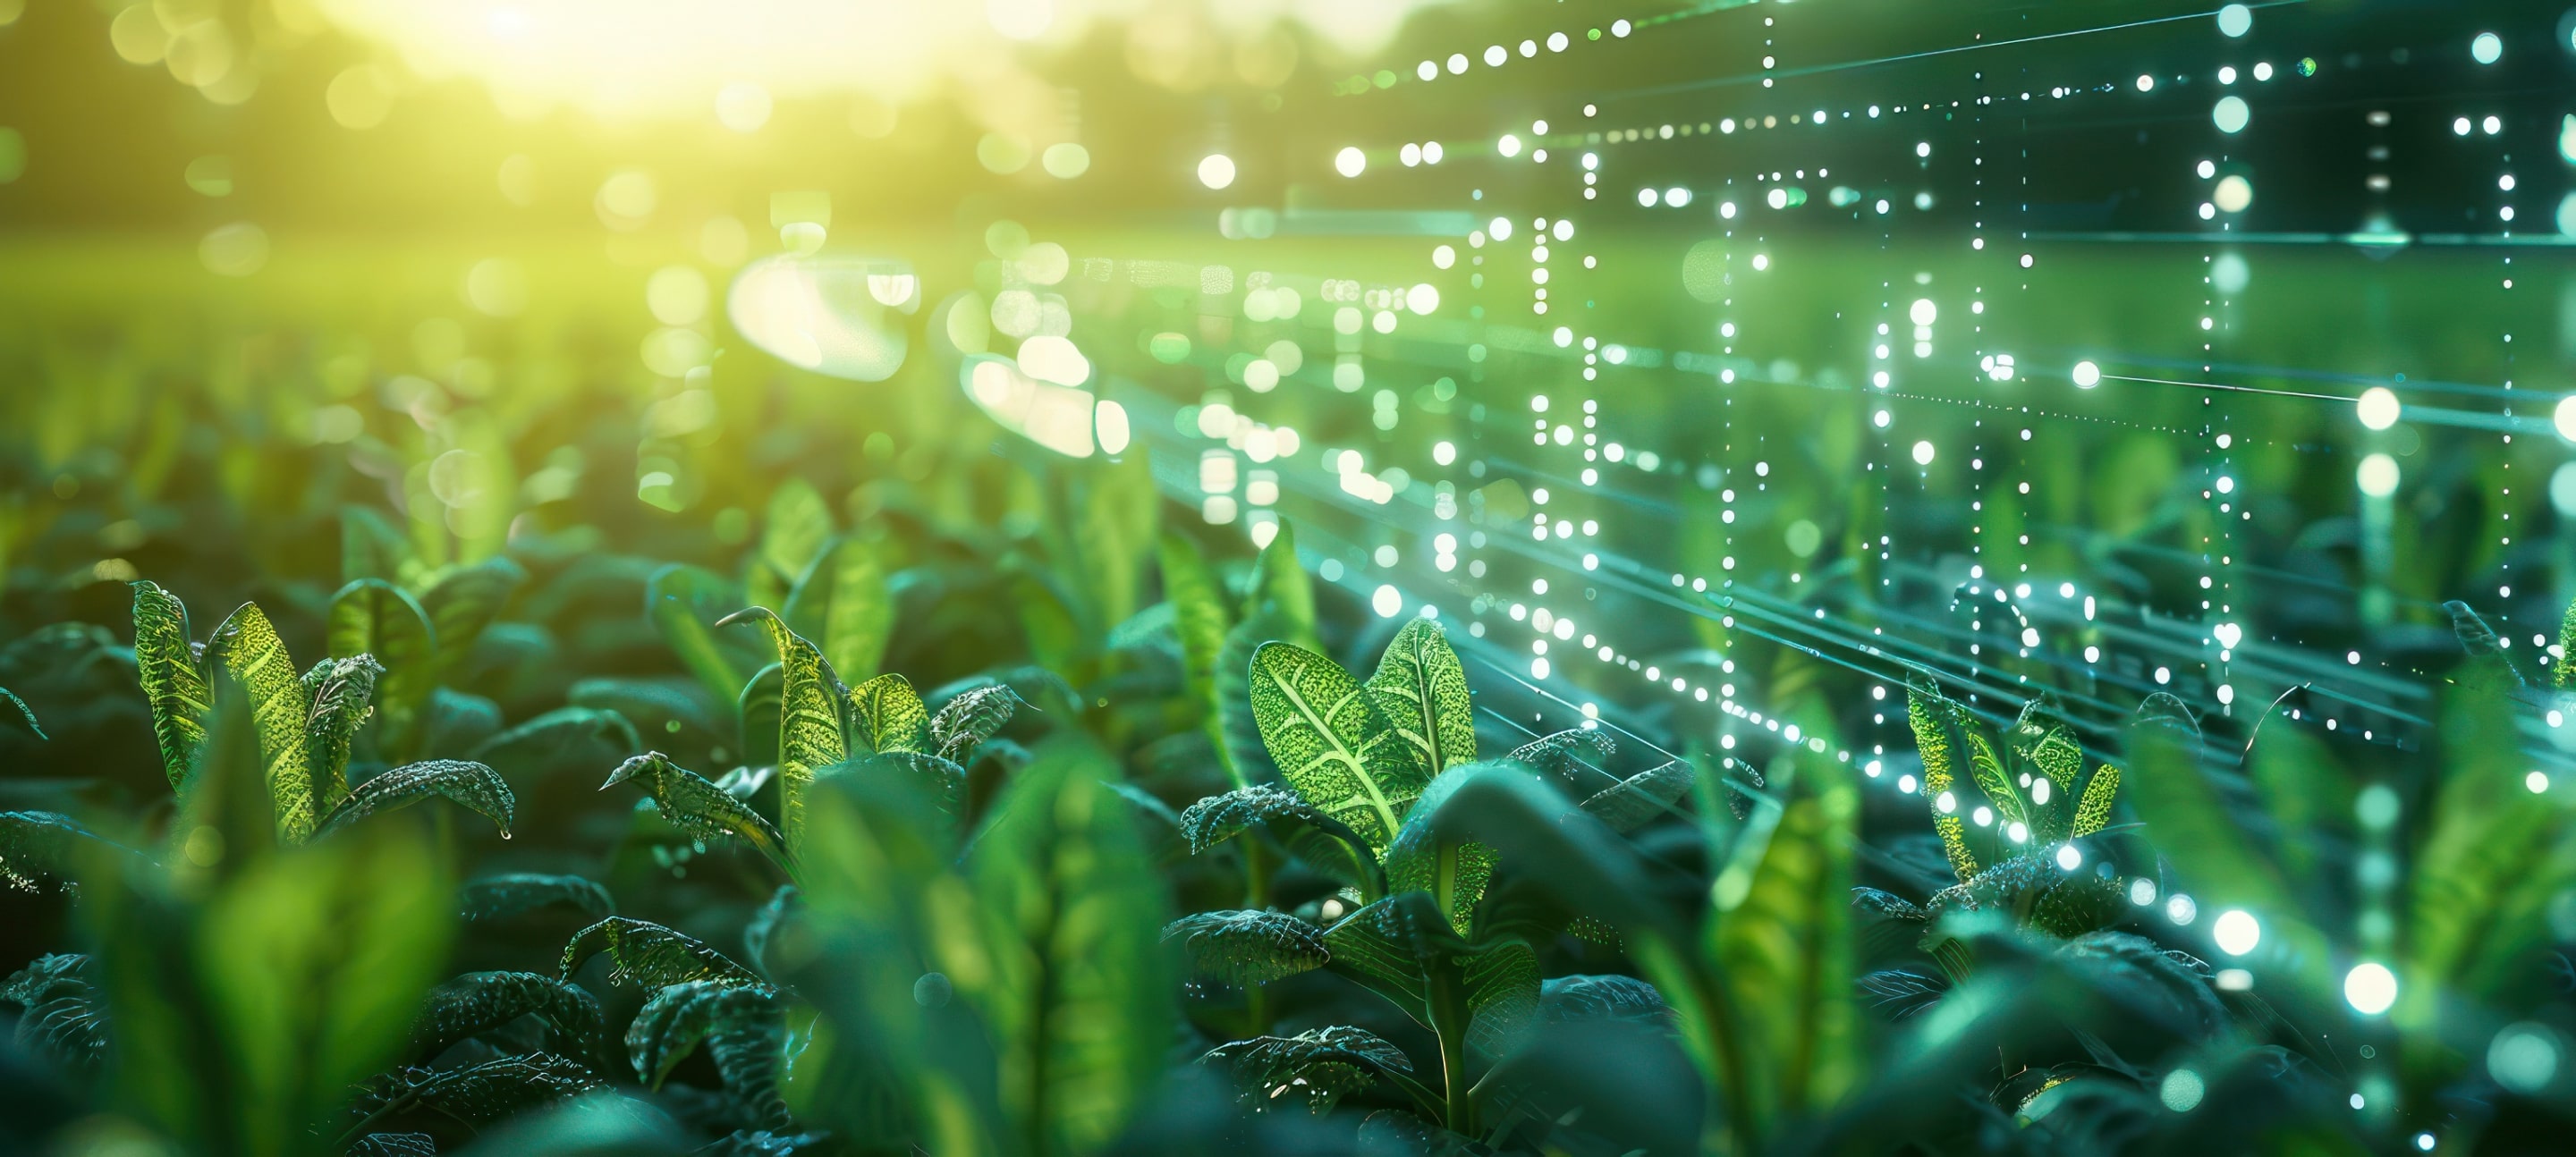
(2231, 114)
(1923, 311)
(1216, 170)
(2565, 417)
(2377, 476)
(2379, 408)
(2145, 82)
(2487, 48)
(2087, 375)
(2370, 988)
(2069, 859)
(2235, 20)
(1387, 602)
(1923, 453)
(1350, 162)
(2537, 781)
(2236, 932)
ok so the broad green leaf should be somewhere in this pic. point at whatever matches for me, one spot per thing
(809, 722)
(795, 534)
(480, 1002)
(1326, 844)
(1200, 622)
(1332, 744)
(1422, 691)
(511, 893)
(38, 847)
(1992, 780)
(1070, 977)
(1786, 947)
(1502, 989)
(1561, 752)
(888, 715)
(248, 647)
(971, 717)
(1387, 947)
(1642, 798)
(371, 547)
(342, 693)
(59, 1015)
(172, 681)
(1249, 947)
(463, 602)
(743, 1029)
(684, 603)
(1941, 736)
(373, 617)
(693, 805)
(843, 602)
(1317, 1067)
(1280, 607)
(649, 955)
(2487, 832)
(474, 1095)
(470, 785)
(1453, 871)
(757, 711)
(2100, 792)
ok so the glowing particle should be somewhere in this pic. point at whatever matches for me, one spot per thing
(2378, 407)
(2236, 932)
(1350, 162)
(1216, 170)
(2087, 375)
(2370, 988)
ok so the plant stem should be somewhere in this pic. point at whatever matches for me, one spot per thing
(1461, 1118)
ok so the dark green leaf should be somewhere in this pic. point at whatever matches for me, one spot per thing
(394, 1145)
(20, 714)
(59, 1015)
(1249, 947)
(341, 692)
(1325, 843)
(470, 785)
(684, 603)
(649, 955)
(1642, 798)
(703, 810)
(475, 1094)
(758, 709)
(463, 602)
(2487, 661)
(558, 740)
(1453, 871)
(503, 896)
(46, 846)
(1611, 997)
(479, 1002)
(973, 716)
(743, 1029)
(1558, 753)
(1318, 1067)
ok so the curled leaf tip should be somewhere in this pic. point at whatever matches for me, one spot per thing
(747, 615)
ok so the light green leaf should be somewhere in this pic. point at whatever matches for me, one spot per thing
(172, 680)
(2100, 792)
(1249, 947)
(684, 603)
(843, 602)
(1422, 691)
(796, 532)
(470, 785)
(463, 602)
(1070, 980)
(1331, 743)
(809, 723)
(248, 647)
(1200, 622)
(373, 617)
(698, 807)
(2488, 831)
(1786, 947)
(1941, 735)
(888, 715)
(341, 691)
(1280, 607)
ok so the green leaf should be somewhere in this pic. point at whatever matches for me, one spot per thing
(684, 603)
(1200, 622)
(1422, 691)
(480, 1002)
(372, 547)
(796, 532)
(511, 893)
(843, 600)
(703, 810)
(1786, 946)
(248, 647)
(649, 955)
(1642, 798)
(2100, 792)
(373, 617)
(1071, 980)
(455, 723)
(394, 1145)
(47, 846)
(172, 680)
(59, 1015)
(1560, 752)
(1280, 607)
(1332, 744)
(1992, 780)
(1502, 990)
(460, 604)
(2487, 832)
(1940, 734)
(470, 785)
(341, 691)
(743, 1029)
(557, 741)
(2303, 789)
(22, 714)
(809, 725)
(943, 779)
(1318, 1067)
(1388, 946)
(1601, 997)
(889, 716)
(1453, 871)
(475, 1094)
(1249, 947)
(1326, 844)
(970, 718)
